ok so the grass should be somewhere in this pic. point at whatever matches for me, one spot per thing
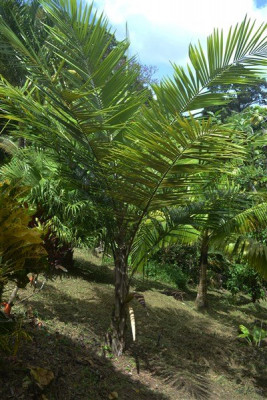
(180, 354)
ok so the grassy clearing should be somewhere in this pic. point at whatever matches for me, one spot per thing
(180, 354)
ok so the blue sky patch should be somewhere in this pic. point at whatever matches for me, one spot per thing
(260, 3)
(161, 31)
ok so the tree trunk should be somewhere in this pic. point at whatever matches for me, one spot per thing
(1, 291)
(13, 295)
(116, 336)
(201, 299)
(22, 143)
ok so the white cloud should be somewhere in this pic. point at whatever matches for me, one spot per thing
(160, 31)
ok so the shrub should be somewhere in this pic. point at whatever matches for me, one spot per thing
(20, 246)
(168, 273)
(180, 257)
(11, 334)
(254, 336)
(242, 278)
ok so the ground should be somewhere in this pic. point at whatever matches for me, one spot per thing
(180, 354)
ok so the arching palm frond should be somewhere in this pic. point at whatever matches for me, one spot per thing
(248, 221)
(253, 251)
(216, 206)
(238, 237)
(89, 78)
(159, 231)
(168, 163)
(224, 61)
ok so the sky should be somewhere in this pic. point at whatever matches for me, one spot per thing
(160, 31)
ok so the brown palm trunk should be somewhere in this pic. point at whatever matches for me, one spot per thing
(116, 336)
(1, 291)
(22, 143)
(201, 299)
(13, 295)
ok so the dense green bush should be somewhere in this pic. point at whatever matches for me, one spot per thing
(180, 257)
(168, 273)
(179, 265)
(242, 278)
(21, 247)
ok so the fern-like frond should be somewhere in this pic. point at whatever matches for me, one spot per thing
(246, 248)
(248, 221)
(160, 231)
(237, 57)
(80, 101)
(167, 162)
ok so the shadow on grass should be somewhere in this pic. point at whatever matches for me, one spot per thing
(79, 372)
(105, 274)
(178, 350)
(142, 284)
(92, 318)
(91, 314)
(92, 272)
(190, 352)
(225, 310)
(187, 355)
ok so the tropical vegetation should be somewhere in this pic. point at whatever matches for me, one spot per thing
(104, 161)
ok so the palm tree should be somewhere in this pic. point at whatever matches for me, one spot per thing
(241, 235)
(67, 214)
(232, 218)
(135, 158)
(222, 219)
(25, 19)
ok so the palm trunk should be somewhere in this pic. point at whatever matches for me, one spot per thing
(13, 295)
(22, 143)
(116, 335)
(201, 299)
(1, 291)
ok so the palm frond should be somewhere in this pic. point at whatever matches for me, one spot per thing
(236, 57)
(245, 222)
(172, 161)
(246, 248)
(84, 105)
(8, 145)
(160, 231)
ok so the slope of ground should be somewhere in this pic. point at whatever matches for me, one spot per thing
(180, 354)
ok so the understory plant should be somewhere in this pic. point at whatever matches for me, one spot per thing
(12, 334)
(253, 336)
(168, 273)
(21, 247)
(181, 256)
(221, 222)
(242, 278)
(65, 213)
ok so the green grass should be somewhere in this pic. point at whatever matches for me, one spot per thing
(179, 354)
